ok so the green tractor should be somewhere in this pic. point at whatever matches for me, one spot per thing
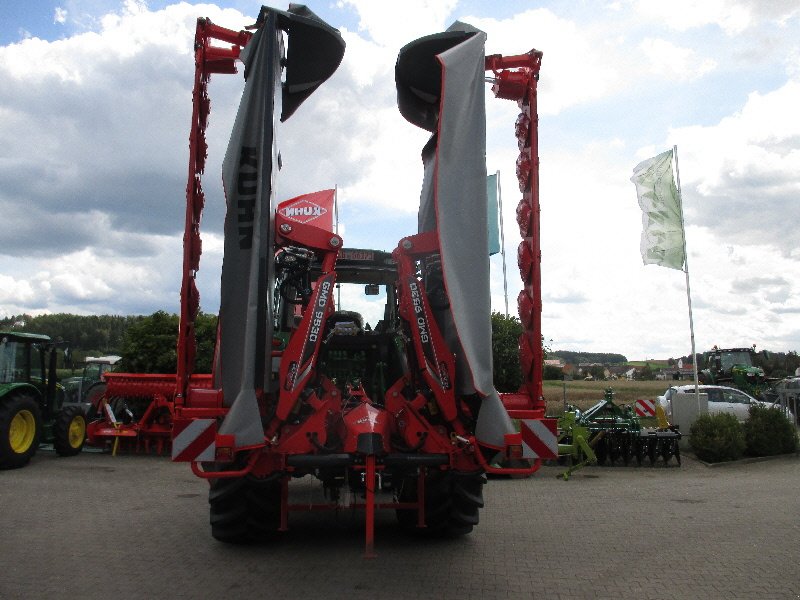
(733, 367)
(90, 384)
(33, 406)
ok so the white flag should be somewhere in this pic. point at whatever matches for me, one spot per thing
(662, 226)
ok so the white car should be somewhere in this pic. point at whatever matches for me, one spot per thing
(720, 399)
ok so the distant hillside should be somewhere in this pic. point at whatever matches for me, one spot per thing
(576, 358)
(653, 362)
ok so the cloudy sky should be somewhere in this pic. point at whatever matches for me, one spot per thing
(95, 103)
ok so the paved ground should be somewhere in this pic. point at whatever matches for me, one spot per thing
(97, 526)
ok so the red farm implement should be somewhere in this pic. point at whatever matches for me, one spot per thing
(134, 411)
(397, 414)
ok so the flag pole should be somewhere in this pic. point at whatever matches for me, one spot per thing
(686, 271)
(502, 239)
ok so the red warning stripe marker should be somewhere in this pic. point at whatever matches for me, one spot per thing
(194, 440)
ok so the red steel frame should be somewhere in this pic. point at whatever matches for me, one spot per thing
(208, 59)
(515, 78)
(168, 391)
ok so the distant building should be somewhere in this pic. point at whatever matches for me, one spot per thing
(554, 362)
(675, 373)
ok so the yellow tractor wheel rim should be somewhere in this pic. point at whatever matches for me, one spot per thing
(22, 431)
(76, 432)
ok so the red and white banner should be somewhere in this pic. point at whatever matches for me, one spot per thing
(194, 440)
(315, 209)
(539, 438)
(645, 408)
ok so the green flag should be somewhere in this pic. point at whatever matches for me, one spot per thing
(662, 225)
(491, 207)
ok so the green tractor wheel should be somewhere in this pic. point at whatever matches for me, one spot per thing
(69, 431)
(20, 430)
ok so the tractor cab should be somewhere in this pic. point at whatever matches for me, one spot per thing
(733, 366)
(361, 343)
(88, 387)
(23, 360)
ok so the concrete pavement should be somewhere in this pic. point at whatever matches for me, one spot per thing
(97, 526)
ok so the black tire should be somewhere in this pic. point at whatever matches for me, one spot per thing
(93, 396)
(20, 430)
(453, 500)
(69, 431)
(244, 509)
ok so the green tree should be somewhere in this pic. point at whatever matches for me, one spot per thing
(598, 372)
(552, 373)
(206, 334)
(646, 373)
(150, 345)
(505, 352)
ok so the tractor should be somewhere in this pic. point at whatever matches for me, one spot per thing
(392, 410)
(733, 367)
(88, 386)
(33, 407)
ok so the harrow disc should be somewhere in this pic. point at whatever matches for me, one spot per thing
(652, 451)
(601, 451)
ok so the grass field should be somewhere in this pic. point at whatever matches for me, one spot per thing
(584, 394)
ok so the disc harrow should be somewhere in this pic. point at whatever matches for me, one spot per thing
(609, 434)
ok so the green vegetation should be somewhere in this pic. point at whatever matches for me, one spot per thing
(505, 352)
(146, 344)
(575, 358)
(720, 437)
(777, 364)
(717, 438)
(86, 335)
(150, 345)
(768, 432)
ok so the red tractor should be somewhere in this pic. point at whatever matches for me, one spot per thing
(399, 413)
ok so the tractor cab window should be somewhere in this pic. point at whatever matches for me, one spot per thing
(729, 359)
(92, 371)
(38, 372)
(368, 301)
(8, 360)
(14, 365)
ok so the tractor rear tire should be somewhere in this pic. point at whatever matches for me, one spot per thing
(20, 430)
(453, 500)
(94, 396)
(69, 431)
(245, 509)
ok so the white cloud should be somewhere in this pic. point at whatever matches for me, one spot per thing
(60, 15)
(94, 224)
(732, 17)
(673, 62)
(393, 24)
(744, 170)
(579, 64)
